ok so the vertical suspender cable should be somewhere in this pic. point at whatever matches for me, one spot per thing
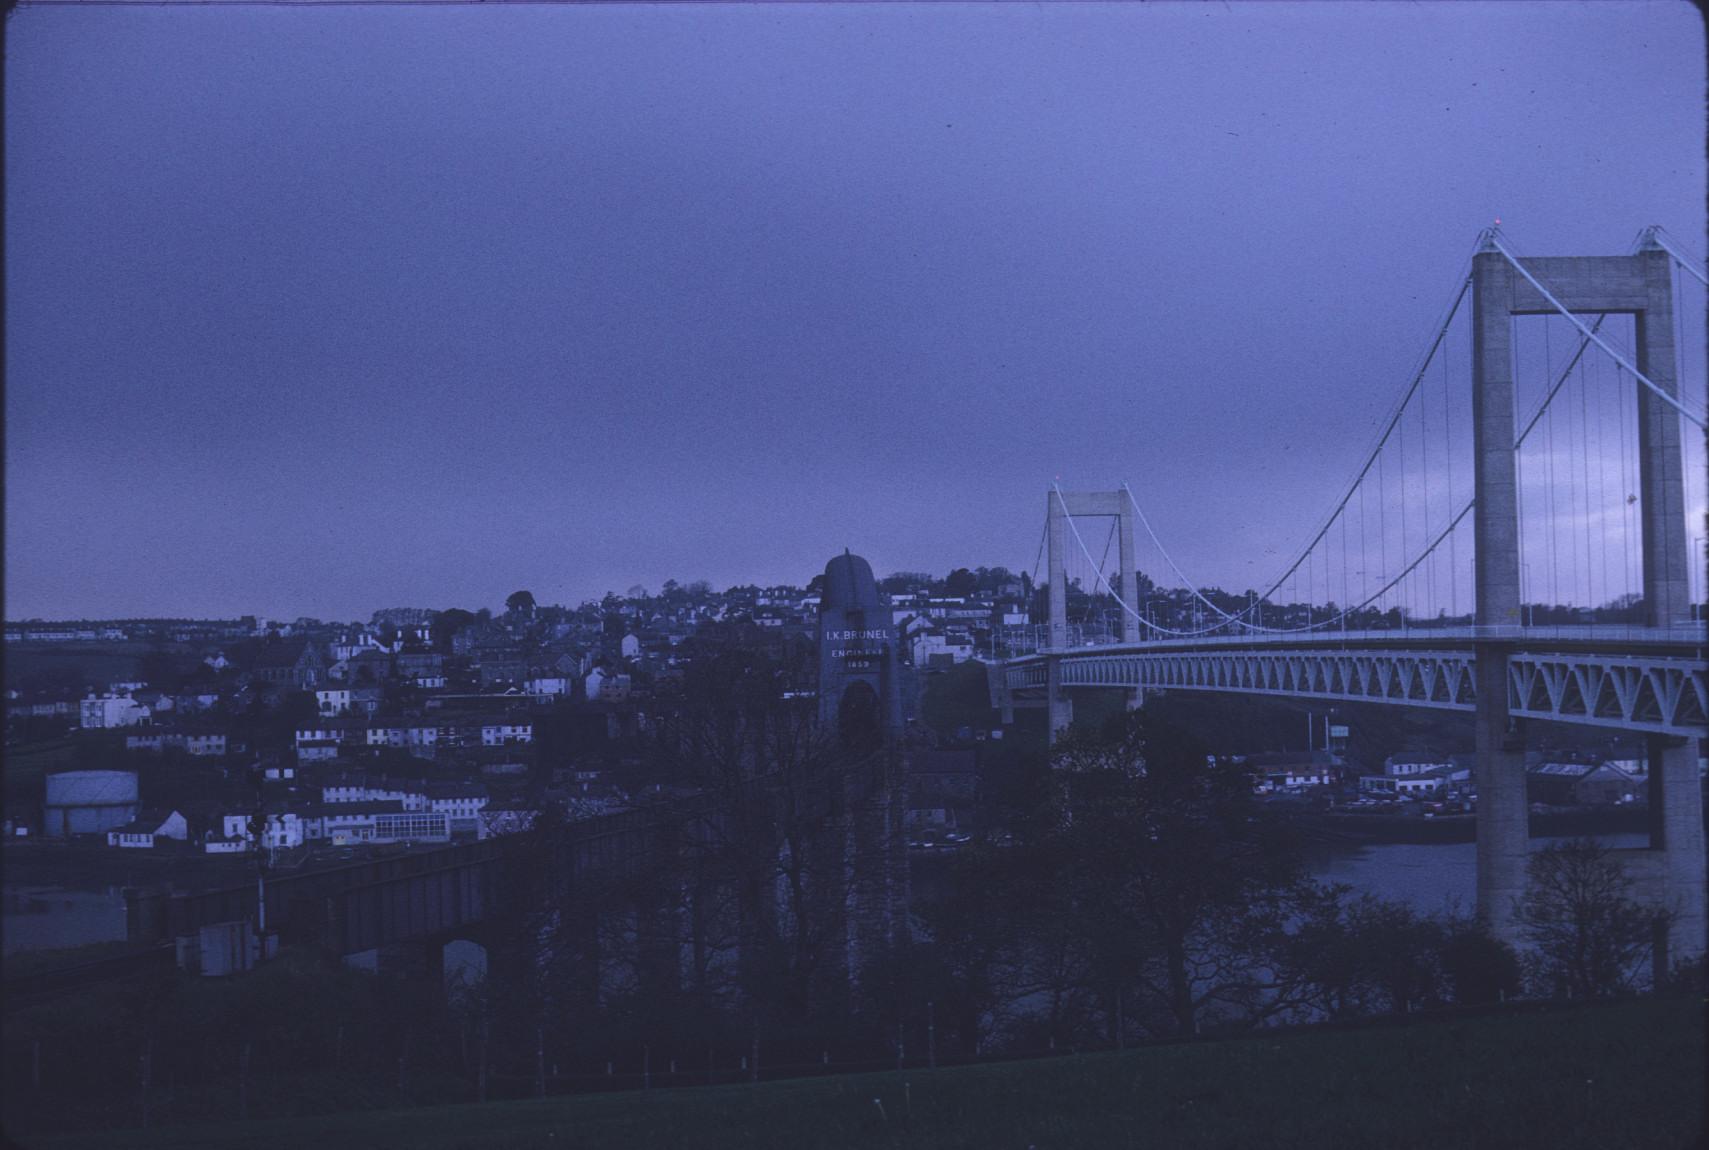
(1364, 555)
(1111, 539)
(1601, 477)
(1382, 521)
(1341, 607)
(1424, 468)
(1627, 495)
(1549, 453)
(1405, 588)
(1448, 453)
(1584, 474)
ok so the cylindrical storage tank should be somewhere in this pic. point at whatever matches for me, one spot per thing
(91, 788)
(89, 802)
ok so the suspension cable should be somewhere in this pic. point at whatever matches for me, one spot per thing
(1372, 457)
(1388, 426)
(1136, 615)
(1537, 413)
(1494, 239)
(1657, 234)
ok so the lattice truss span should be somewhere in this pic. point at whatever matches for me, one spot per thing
(1647, 693)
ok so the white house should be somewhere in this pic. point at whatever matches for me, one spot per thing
(630, 647)
(503, 733)
(283, 829)
(460, 800)
(104, 711)
(333, 702)
(957, 648)
(1401, 766)
(402, 734)
(548, 685)
(346, 789)
(152, 740)
(323, 733)
(461, 804)
(149, 827)
(205, 743)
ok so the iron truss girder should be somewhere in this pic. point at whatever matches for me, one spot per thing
(1631, 692)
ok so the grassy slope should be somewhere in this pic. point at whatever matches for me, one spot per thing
(1623, 1075)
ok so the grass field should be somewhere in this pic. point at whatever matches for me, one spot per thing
(1618, 1075)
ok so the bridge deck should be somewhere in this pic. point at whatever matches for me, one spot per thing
(1631, 678)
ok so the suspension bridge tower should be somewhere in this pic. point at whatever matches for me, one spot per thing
(1596, 664)
(1671, 873)
(1060, 512)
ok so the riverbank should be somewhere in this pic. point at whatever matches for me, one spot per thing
(1371, 827)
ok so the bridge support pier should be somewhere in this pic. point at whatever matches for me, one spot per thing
(1503, 818)
(1061, 706)
(1678, 879)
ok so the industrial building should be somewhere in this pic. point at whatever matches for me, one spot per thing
(89, 802)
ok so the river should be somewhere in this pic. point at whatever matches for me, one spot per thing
(1429, 877)
(50, 917)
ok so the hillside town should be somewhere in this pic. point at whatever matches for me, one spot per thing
(417, 726)
(309, 739)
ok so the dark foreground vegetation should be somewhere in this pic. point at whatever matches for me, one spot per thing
(704, 993)
(1140, 896)
(1608, 1075)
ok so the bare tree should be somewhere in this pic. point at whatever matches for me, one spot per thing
(1590, 938)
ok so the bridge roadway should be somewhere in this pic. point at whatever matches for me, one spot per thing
(1631, 678)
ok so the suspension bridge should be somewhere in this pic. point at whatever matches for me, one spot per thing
(1517, 544)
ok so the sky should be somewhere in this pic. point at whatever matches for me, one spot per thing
(318, 310)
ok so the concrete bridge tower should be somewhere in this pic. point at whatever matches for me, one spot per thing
(1086, 504)
(1671, 872)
